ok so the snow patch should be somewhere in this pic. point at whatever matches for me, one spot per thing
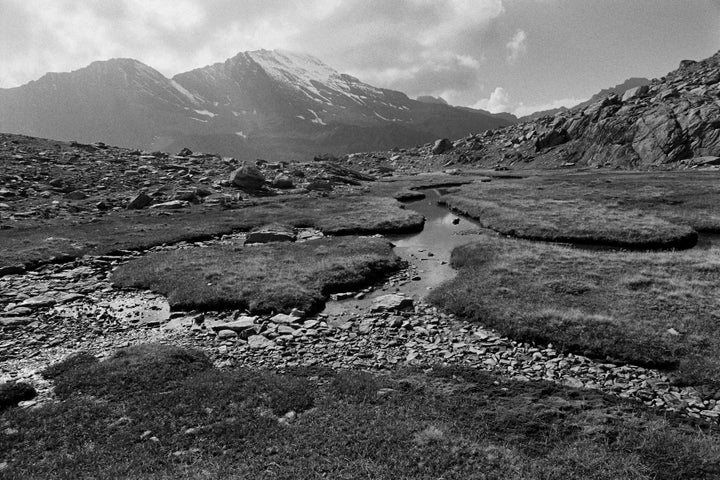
(198, 120)
(184, 91)
(241, 134)
(207, 113)
(317, 119)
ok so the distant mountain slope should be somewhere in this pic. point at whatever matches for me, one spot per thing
(673, 122)
(270, 103)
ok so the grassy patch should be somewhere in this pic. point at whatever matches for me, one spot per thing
(342, 215)
(446, 423)
(641, 210)
(262, 278)
(616, 305)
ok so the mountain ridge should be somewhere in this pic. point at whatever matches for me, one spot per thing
(269, 103)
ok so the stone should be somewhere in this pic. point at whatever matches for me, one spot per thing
(392, 302)
(76, 195)
(637, 92)
(284, 319)
(707, 160)
(11, 270)
(226, 334)
(238, 325)
(283, 182)
(552, 138)
(274, 232)
(247, 177)
(259, 341)
(38, 301)
(12, 393)
(171, 205)
(441, 146)
(141, 200)
(14, 322)
(185, 152)
(319, 186)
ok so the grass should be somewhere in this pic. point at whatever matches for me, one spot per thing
(575, 209)
(614, 305)
(262, 278)
(122, 418)
(342, 215)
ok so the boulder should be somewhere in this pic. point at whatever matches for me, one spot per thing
(274, 232)
(185, 152)
(319, 186)
(12, 393)
(283, 182)
(441, 146)
(637, 92)
(391, 302)
(76, 195)
(551, 138)
(247, 177)
(141, 200)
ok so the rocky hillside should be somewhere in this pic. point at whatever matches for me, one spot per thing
(674, 122)
(274, 104)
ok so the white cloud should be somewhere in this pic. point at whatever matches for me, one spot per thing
(499, 101)
(516, 47)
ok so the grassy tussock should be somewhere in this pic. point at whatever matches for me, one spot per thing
(342, 215)
(262, 278)
(614, 305)
(565, 212)
(442, 423)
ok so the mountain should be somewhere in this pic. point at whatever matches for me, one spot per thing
(671, 122)
(277, 104)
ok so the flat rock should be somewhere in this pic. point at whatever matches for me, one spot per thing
(259, 341)
(172, 205)
(271, 233)
(38, 302)
(284, 319)
(13, 322)
(240, 324)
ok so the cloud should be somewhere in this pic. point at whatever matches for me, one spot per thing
(418, 46)
(516, 47)
(498, 102)
(501, 101)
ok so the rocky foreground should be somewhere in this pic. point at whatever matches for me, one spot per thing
(62, 309)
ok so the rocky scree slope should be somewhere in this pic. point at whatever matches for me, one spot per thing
(274, 104)
(674, 122)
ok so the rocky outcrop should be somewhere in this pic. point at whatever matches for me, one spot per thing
(665, 124)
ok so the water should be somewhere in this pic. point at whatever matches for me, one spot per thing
(428, 252)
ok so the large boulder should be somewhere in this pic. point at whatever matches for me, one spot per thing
(441, 146)
(636, 92)
(551, 138)
(12, 393)
(141, 200)
(247, 177)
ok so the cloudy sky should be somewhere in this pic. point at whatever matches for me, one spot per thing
(501, 55)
